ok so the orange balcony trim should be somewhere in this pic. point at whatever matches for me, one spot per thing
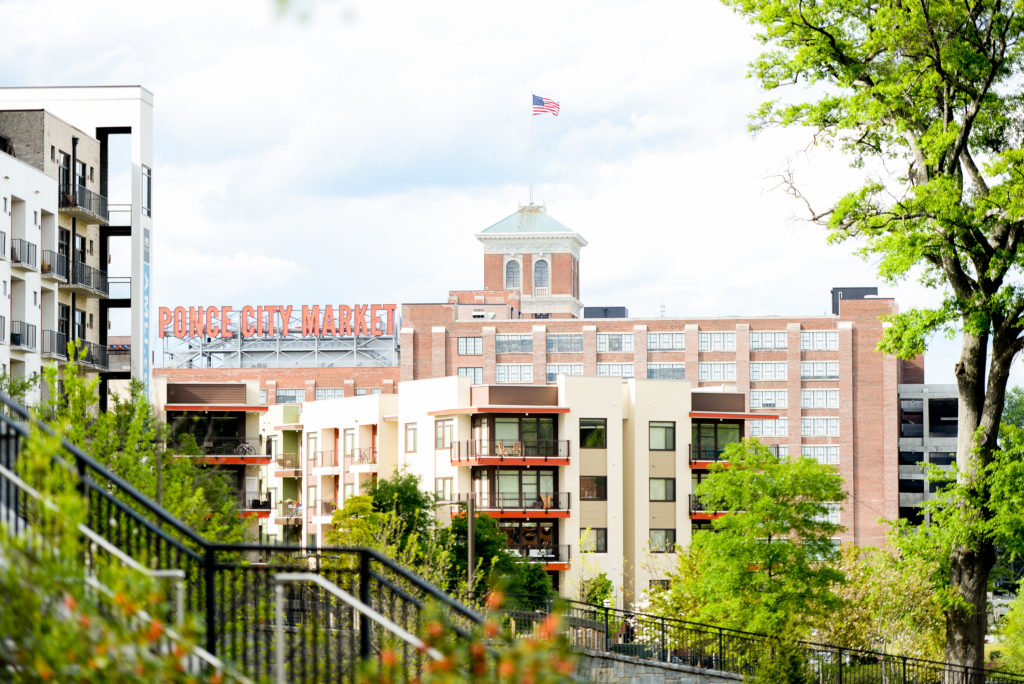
(469, 410)
(556, 567)
(521, 513)
(261, 513)
(512, 461)
(707, 515)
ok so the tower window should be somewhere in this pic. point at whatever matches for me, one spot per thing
(541, 274)
(513, 277)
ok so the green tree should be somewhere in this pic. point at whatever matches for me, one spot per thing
(1011, 636)
(768, 566)
(596, 590)
(411, 506)
(930, 89)
(497, 567)
(1013, 411)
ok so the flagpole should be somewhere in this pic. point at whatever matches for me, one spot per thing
(531, 150)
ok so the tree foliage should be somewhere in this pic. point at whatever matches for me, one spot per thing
(931, 90)
(768, 564)
(497, 567)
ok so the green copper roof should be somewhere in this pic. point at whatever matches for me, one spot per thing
(529, 219)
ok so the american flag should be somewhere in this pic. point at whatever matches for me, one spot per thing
(543, 104)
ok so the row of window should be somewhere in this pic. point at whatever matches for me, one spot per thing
(708, 371)
(809, 399)
(298, 396)
(514, 275)
(809, 427)
(595, 488)
(559, 343)
(595, 540)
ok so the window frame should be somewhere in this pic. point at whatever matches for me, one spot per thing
(625, 342)
(513, 343)
(502, 370)
(444, 433)
(513, 274)
(598, 538)
(666, 425)
(538, 280)
(669, 484)
(593, 425)
(668, 371)
(553, 370)
(470, 346)
(552, 343)
(599, 487)
(716, 341)
(669, 545)
(655, 341)
(474, 373)
(411, 430)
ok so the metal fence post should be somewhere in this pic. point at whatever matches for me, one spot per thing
(721, 649)
(839, 671)
(607, 627)
(365, 644)
(211, 603)
(664, 653)
(279, 633)
(904, 669)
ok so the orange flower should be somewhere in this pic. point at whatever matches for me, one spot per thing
(563, 666)
(491, 629)
(44, 670)
(435, 629)
(494, 600)
(388, 657)
(549, 627)
(84, 621)
(217, 678)
(506, 668)
(156, 628)
(69, 602)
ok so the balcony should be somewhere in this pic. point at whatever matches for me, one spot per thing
(84, 204)
(54, 266)
(119, 358)
(23, 335)
(473, 452)
(288, 512)
(364, 457)
(55, 345)
(702, 456)
(324, 507)
(85, 278)
(255, 504)
(93, 355)
(24, 254)
(228, 451)
(521, 505)
(325, 459)
(553, 556)
(699, 510)
(288, 465)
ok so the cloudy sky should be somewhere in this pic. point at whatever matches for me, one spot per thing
(348, 151)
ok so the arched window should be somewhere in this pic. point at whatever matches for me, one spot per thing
(541, 274)
(512, 275)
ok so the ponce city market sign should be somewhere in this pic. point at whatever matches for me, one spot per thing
(270, 321)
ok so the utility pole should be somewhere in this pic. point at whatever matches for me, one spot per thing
(470, 515)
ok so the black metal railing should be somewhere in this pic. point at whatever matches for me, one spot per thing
(23, 335)
(292, 510)
(54, 265)
(510, 450)
(544, 501)
(55, 344)
(224, 446)
(698, 505)
(703, 453)
(89, 277)
(693, 644)
(255, 501)
(93, 354)
(229, 588)
(23, 252)
(84, 198)
(543, 553)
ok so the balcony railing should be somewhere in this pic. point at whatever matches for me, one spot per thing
(256, 501)
(228, 446)
(364, 456)
(54, 265)
(81, 197)
(89, 277)
(324, 507)
(502, 450)
(543, 553)
(703, 453)
(290, 510)
(698, 505)
(24, 252)
(23, 335)
(288, 461)
(547, 501)
(326, 459)
(119, 359)
(93, 354)
(55, 344)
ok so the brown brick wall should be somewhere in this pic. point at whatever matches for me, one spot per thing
(562, 274)
(383, 377)
(494, 272)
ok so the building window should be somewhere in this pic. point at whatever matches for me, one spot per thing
(263, 396)
(593, 433)
(147, 191)
(769, 428)
(349, 489)
(615, 370)
(615, 342)
(819, 427)
(662, 541)
(716, 341)
(827, 454)
(514, 372)
(767, 371)
(290, 396)
(541, 274)
(556, 369)
(663, 489)
(662, 435)
(444, 432)
(826, 398)
(471, 346)
(324, 393)
(475, 375)
(594, 540)
(716, 371)
(348, 442)
(513, 277)
(819, 340)
(666, 341)
(410, 437)
(443, 488)
(769, 399)
(53, 153)
(593, 488)
(564, 343)
(361, 391)
(513, 344)
(831, 514)
(666, 371)
(819, 370)
(775, 339)
(35, 298)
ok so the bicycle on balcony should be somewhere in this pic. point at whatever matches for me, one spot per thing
(245, 449)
